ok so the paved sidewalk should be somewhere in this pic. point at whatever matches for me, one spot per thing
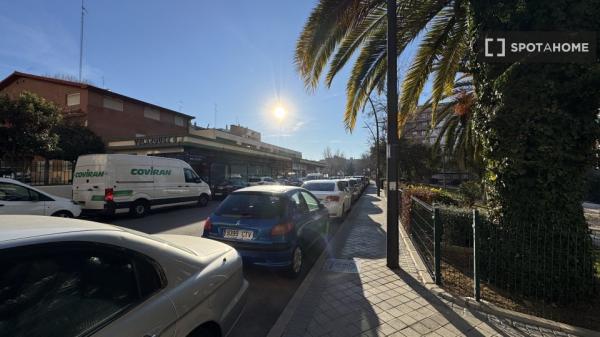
(355, 294)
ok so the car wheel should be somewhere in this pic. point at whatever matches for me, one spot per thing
(139, 209)
(63, 214)
(295, 268)
(203, 200)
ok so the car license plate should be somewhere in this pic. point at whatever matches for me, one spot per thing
(218, 193)
(238, 234)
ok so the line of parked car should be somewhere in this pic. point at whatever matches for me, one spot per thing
(273, 225)
(88, 278)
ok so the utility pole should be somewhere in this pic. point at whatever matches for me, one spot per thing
(377, 180)
(392, 135)
(81, 41)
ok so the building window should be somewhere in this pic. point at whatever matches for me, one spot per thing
(113, 104)
(73, 99)
(151, 113)
(179, 121)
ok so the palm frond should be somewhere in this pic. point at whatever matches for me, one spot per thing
(451, 57)
(427, 53)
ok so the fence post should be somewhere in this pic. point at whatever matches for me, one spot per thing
(476, 286)
(437, 240)
(46, 171)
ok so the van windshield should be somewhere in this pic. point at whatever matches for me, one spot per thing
(252, 205)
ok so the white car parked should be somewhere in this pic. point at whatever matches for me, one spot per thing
(334, 194)
(254, 181)
(19, 198)
(66, 277)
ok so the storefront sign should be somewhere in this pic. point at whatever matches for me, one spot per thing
(160, 140)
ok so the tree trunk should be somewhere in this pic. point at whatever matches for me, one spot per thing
(537, 122)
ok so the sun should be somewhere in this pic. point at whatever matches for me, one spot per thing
(279, 112)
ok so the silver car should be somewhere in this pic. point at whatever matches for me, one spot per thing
(63, 277)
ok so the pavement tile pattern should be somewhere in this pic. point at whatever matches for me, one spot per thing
(378, 301)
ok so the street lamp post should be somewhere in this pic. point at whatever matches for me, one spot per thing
(393, 249)
(377, 180)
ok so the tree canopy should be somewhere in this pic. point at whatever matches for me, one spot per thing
(26, 125)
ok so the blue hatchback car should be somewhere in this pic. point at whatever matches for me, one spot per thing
(270, 225)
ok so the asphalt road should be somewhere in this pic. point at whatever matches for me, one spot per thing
(269, 291)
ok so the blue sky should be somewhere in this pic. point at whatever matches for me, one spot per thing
(191, 56)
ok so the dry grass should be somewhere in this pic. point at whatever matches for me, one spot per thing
(458, 281)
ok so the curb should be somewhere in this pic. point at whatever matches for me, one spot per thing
(286, 315)
(484, 306)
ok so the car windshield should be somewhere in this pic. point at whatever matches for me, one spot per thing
(252, 205)
(320, 187)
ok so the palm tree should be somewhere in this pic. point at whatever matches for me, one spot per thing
(457, 136)
(338, 29)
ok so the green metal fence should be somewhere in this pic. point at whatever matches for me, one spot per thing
(511, 266)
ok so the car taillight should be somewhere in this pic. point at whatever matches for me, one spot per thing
(332, 198)
(282, 228)
(207, 225)
(108, 194)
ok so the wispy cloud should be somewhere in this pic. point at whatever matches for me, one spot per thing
(297, 126)
(47, 50)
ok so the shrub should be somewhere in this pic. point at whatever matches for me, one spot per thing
(593, 186)
(457, 226)
(429, 195)
(470, 192)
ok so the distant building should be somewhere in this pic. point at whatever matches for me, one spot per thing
(108, 114)
(420, 130)
(129, 125)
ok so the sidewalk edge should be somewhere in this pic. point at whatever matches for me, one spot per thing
(278, 328)
(484, 306)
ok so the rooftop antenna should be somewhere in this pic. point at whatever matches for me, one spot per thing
(215, 124)
(83, 11)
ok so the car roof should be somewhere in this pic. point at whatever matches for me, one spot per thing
(321, 181)
(9, 180)
(276, 189)
(15, 227)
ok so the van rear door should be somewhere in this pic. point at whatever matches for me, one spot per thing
(89, 182)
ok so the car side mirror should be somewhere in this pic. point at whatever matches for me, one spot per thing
(321, 206)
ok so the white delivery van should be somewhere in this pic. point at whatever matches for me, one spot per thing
(120, 183)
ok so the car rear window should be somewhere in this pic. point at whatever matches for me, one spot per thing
(252, 205)
(320, 187)
(254, 180)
